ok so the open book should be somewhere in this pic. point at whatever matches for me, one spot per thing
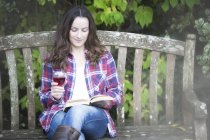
(98, 101)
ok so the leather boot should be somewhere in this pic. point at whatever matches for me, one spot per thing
(65, 133)
(73, 134)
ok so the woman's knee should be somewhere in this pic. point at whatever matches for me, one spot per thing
(79, 110)
(58, 118)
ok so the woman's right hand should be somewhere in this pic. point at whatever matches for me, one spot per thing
(57, 91)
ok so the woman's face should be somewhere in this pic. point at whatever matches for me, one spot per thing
(78, 33)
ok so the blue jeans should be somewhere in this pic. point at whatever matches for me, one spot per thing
(90, 121)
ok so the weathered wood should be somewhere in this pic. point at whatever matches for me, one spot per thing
(137, 87)
(200, 129)
(108, 48)
(30, 87)
(108, 38)
(194, 111)
(160, 132)
(26, 40)
(121, 61)
(13, 89)
(142, 41)
(1, 107)
(188, 77)
(43, 53)
(169, 88)
(24, 134)
(188, 68)
(153, 103)
(197, 113)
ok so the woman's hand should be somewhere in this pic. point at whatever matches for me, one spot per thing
(57, 91)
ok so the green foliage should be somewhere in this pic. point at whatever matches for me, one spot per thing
(43, 2)
(173, 3)
(21, 77)
(144, 93)
(190, 3)
(128, 97)
(203, 27)
(144, 15)
(109, 12)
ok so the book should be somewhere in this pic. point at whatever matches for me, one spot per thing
(99, 101)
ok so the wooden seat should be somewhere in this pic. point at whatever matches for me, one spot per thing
(129, 49)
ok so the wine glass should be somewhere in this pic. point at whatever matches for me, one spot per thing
(59, 77)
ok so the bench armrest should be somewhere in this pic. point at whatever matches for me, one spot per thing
(195, 114)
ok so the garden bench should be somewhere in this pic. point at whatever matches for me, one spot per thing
(191, 123)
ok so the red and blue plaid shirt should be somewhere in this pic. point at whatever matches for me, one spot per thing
(101, 78)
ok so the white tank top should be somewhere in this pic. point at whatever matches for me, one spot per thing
(80, 87)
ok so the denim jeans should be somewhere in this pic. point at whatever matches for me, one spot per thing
(90, 121)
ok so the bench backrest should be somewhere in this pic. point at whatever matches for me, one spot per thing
(123, 42)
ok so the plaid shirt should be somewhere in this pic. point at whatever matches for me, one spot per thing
(101, 78)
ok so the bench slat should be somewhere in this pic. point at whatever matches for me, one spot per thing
(121, 60)
(30, 87)
(1, 107)
(10, 56)
(108, 48)
(43, 52)
(169, 87)
(153, 88)
(138, 61)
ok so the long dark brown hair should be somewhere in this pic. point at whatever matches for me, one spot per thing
(62, 45)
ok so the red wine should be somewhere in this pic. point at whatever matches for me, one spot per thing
(59, 80)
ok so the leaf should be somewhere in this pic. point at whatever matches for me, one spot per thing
(88, 2)
(132, 6)
(128, 97)
(126, 108)
(41, 2)
(173, 3)
(118, 17)
(121, 4)
(98, 18)
(144, 97)
(99, 4)
(147, 62)
(23, 102)
(191, 3)
(165, 6)
(144, 15)
(159, 90)
(54, 1)
(128, 85)
(148, 15)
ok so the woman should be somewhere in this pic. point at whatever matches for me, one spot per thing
(90, 71)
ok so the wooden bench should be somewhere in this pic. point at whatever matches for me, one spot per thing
(179, 55)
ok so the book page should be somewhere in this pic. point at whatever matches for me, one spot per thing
(101, 98)
(74, 102)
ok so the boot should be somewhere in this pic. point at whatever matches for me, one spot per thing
(73, 134)
(65, 133)
(61, 133)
